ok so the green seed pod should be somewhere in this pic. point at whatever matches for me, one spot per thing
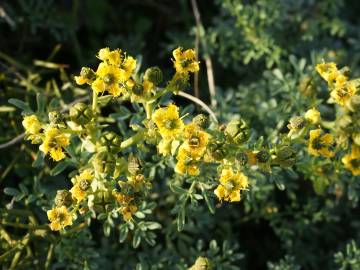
(81, 114)
(63, 197)
(104, 162)
(285, 156)
(134, 165)
(354, 103)
(237, 131)
(154, 75)
(297, 122)
(242, 158)
(111, 141)
(217, 151)
(202, 121)
(201, 263)
(263, 156)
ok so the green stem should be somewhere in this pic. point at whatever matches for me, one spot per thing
(148, 110)
(49, 256)
(133, 140)
(94, 102)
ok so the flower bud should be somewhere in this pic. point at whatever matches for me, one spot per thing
(201, 263)
(111, 141)
(104, 162)
(296, 123)
(81, 114)
(63, 197)
(237, 131)
(285, 156)
(217, 151)
(134, 165)
(241, 158)
(154, 75)
(202, 121)
(263, 156)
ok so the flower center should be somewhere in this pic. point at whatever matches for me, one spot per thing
(109, 78)
(61, 217)
(317, 144)
(194, 141)
(355, 163)
(170, 124)
(186, 62)
(84, 185)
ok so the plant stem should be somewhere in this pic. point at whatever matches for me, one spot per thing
(132, 140)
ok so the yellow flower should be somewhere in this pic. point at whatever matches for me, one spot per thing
(82, 184)
(164, 147)
(112, 57)
(313, 116)
(343, 91)
(196, 139)
(59, 218)
(128, 65)
(54, 142)
(328, 71)
(185, 61)
(352, 161)
(230, 185)
(168, 121)
(31, 124)
(187, 161)
(109, 78)
(319, 145)
(128, 211)
(87, 75)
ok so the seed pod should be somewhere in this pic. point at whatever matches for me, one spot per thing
(217, 151)
(81, 114)
(296, 123)
(87, 73)
(263, 156)
(154, 75)
(104, 162)
(201, 263)
(242, 158)
(138, 89)
(63, 197)
(134, 164)
(237, 131)
(202, 121)
(285, 156)
(111, 141)
(56, 117)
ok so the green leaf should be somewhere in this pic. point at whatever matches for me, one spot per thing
(20, 104)
(104, 100)
(209, 202)
(39, 160)
(11, 191)
(41, 102)
(181, 220)
(60, 167)
(150, 225)
(177, 189)
(137, 239)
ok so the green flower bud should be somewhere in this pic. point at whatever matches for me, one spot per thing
(81, 114)
(237, 131)
(104, 162)
(354, 103)
(56, 117)
(111, 141)
(217, 151)
(134, 165)
(285, 156)
(242, 158)
(263, 156)
(87, 73)
(63, 197)
(202, 121)
(201, 263)
(154, 75)
(297, 122)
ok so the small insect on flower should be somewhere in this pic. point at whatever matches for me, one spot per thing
(352, 161)
(185, 61)
(59, 218)
(313, 116)
(168, 121)
(230, 185)
(54, 142)
(320, 144)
